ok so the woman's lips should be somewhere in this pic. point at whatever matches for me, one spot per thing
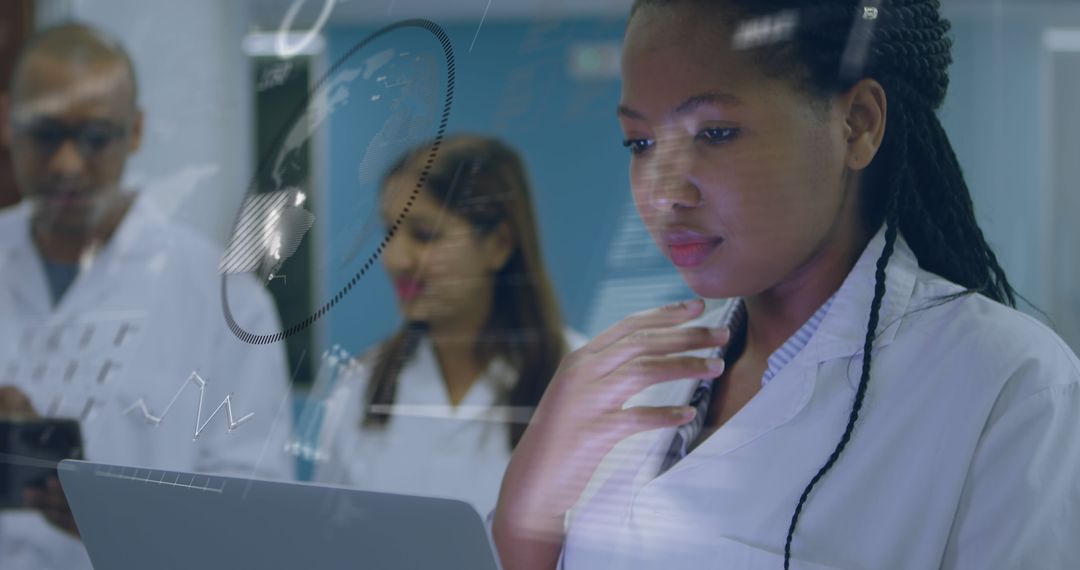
(688, 248)
(408, 289)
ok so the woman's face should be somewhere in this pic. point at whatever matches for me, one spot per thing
(441, 268)
(740, 178)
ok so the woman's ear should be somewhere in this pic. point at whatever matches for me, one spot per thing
(497, 246)
(865, 108)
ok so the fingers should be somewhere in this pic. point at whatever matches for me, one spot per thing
(52, 504)
(15, 404)
(642, 372)
(662, 317)
(654, 342)
(627, 422)
(62, 520)
(49, 498)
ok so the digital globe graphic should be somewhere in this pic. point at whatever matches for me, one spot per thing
(396, 88)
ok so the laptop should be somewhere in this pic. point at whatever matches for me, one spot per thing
(132, 518)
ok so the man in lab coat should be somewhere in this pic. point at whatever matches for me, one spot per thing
(107, 308)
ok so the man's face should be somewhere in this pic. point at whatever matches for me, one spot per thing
(70, 128)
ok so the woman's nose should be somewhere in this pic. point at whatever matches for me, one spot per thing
(401, 254)
(670, 184)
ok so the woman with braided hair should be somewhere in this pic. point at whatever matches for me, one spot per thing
(868, 397)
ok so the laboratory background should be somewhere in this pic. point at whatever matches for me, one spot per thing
(269, 127)
(216, 90)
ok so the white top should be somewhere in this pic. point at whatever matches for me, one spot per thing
(133, 326)
(965, 454)
(429, 447)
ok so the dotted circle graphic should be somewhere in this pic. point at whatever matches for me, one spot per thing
(448, 52)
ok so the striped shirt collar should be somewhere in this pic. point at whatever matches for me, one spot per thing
(700, 400)
(782, 356)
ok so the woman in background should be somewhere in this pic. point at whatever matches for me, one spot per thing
(437, 408)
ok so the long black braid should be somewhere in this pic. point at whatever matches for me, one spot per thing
(915, 185)
(891, 231)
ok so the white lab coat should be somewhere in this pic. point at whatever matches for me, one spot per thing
(966, 453)
(429, 447)
(163, 278)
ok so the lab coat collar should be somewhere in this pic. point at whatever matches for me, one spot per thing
(840, 335)
(135, 237)
(480, 402)
(499, 374)
(15, 224)
(843, 330)
(139, 237)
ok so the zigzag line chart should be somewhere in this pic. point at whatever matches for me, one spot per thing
(200, 425)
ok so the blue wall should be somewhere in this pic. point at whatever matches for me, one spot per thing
(514, 84)
(992, 115)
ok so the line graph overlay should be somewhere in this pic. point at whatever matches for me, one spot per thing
(141, 406)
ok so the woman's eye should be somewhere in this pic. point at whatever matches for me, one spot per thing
(718, 135)
(638, 146)
(423, 235)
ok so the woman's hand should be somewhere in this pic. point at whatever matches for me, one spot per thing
(581, 418)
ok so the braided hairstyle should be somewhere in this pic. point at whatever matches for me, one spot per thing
(914, 185)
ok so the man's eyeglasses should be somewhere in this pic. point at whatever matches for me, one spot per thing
(91, 138)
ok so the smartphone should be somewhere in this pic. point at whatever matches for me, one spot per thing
(29, 452)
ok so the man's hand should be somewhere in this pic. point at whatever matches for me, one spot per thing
(52, 503)
(15, 405)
